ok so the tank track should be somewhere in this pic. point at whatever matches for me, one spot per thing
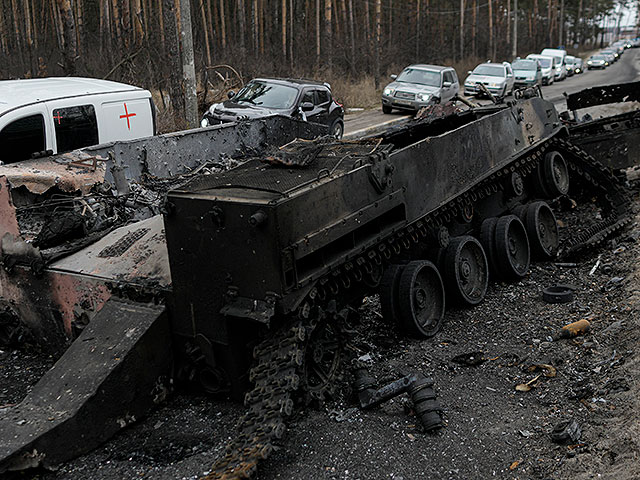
(276, 375)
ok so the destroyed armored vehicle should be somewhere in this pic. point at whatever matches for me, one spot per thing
(269, 261)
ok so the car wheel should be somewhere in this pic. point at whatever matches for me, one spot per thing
(337, 129)
(386, 109)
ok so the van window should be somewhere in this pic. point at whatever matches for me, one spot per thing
(448, 77)
(76, 127)
(21, 138)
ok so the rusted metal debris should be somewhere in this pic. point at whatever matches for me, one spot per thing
(603, 95)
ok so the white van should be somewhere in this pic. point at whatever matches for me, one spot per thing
(560, 55)
(56, 115)
(548, 65)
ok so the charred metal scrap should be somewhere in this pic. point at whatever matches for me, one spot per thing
(613, 140)
(263, 263)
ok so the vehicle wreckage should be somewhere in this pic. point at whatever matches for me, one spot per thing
(264, 264)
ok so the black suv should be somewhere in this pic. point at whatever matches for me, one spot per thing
(304, 99)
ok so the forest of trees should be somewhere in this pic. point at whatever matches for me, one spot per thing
(137, 41)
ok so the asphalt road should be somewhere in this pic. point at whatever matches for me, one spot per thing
(627, 69)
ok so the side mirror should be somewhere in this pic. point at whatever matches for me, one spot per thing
(394, 76)
(469, 72)
(306, 106)
(447, 84)
(231, 94)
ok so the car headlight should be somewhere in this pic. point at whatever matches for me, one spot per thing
(589, 62)
(204, 122)
(423, 97)
(495, 84)
(388, 91)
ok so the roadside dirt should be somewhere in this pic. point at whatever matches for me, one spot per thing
(491, 430)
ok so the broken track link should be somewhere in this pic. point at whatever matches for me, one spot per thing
(612, 197)
(275, 377)
(279, 358)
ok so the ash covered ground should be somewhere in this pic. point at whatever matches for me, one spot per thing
(492, 430)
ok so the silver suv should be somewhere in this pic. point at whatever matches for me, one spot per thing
(418, 86)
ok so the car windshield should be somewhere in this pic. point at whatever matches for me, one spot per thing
(597, 57)
(524, 65)
(422, 77)
(266, 94)
(489, 70)
(545, 62)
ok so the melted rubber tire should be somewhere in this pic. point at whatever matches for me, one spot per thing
(555, 174)
(421, 299)
(557, 294)
(512, 248)
(542, 230)
(487, 240)
(389, 294)
(466, 270)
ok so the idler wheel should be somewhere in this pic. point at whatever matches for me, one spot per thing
(421, 299)
(542, 230)
(552, 176)
(389, 293)
(466, 270)
(511, 248)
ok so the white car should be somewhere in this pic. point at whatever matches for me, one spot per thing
(418, 86)
(44, 116)
(496, 77)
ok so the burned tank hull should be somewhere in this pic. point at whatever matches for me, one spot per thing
(248, 245)
(269, 259)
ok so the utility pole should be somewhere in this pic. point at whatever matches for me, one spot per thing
(188, 65)
(514, 52)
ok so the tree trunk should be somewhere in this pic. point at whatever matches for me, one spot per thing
(377, 46)
(188, 64)
(352, 38)
(417, 30)
(318, 36)
(16, 27)
(205, 29)
(491, 52)
(241, 22)
(69, 32)
(328, 33)
(161, 24)
(126, 22)
(283, 22)
(173, 51)
(461, 29)
(223, 29)
(138, 30)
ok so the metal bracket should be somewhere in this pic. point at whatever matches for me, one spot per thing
(381, 171)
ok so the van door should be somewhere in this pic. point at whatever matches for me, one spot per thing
(23, 132)
(125, 119)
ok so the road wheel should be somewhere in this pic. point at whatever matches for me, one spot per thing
(542, 230)
(389, 294)
(466, 271)
(386, 109)
(421, 299)
(337, 129)
(555, 174)
(511, 247)
(487, 240)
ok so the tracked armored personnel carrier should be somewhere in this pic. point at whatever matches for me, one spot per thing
(268, 259)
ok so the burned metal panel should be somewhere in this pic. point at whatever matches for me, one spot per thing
(66, 172)
(54, 307)
(111, 376)
(180, 152)
(613, 141)
(602, 95)
(135, 253)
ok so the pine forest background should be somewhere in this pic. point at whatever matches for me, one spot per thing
(351, 43)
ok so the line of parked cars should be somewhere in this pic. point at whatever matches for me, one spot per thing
(611, 54)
